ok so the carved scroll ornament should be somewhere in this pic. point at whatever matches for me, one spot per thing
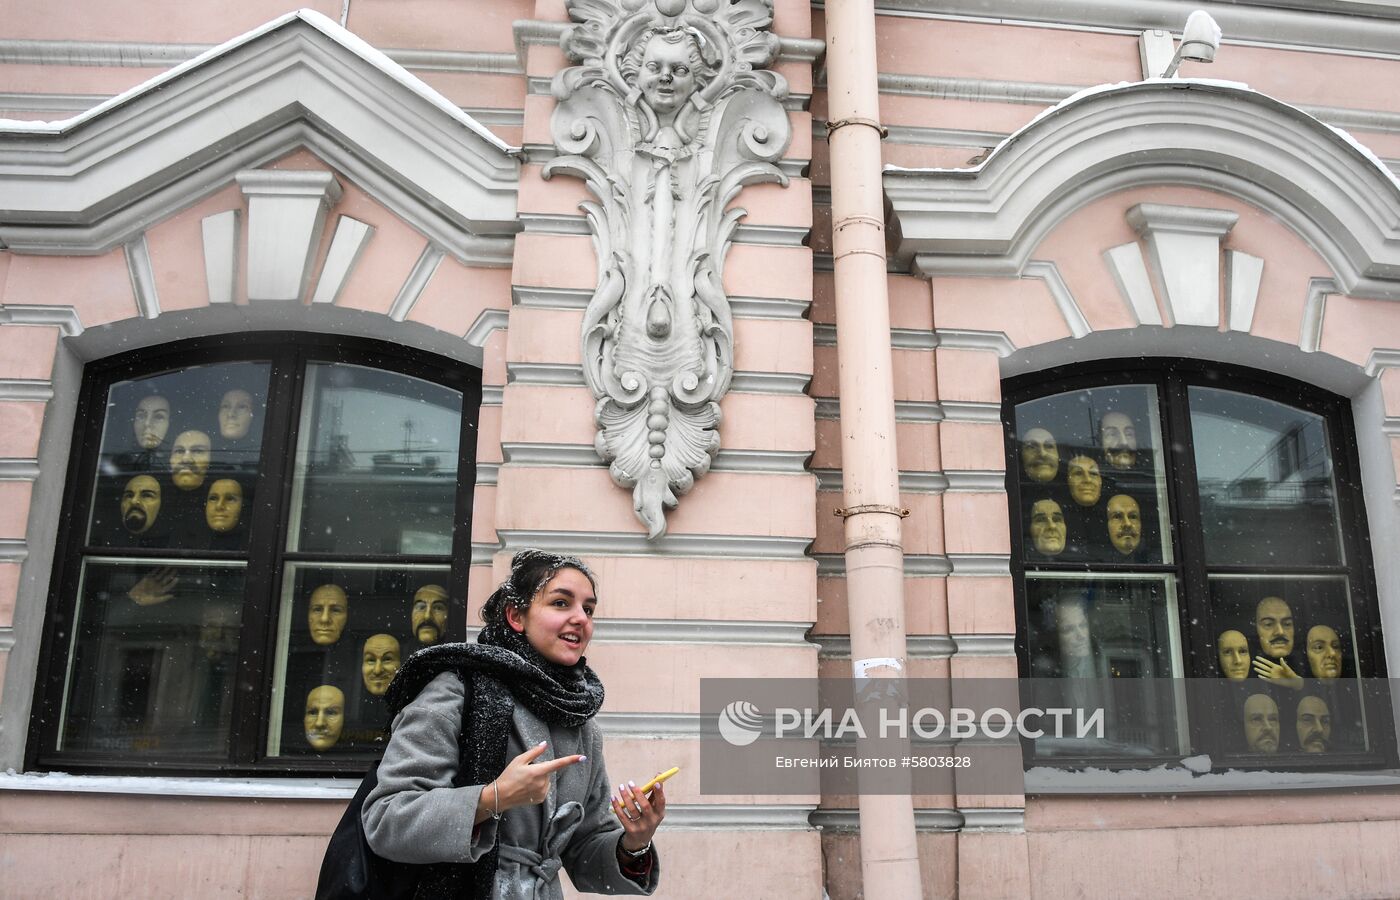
(666, 117)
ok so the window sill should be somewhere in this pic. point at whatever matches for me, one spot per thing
(1046, 781)
(341, 789)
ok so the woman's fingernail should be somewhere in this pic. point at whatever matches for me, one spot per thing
(631, 784)
(583, 759)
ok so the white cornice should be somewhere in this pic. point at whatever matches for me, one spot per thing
(86, 184)
(989, 219)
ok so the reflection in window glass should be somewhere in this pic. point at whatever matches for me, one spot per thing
(153, 658)
(1109, 643)
(343, 629)
(1092, 483)
(376, 463)
(179, 459)
(1265, 477)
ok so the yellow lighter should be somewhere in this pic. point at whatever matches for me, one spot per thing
(658, 779)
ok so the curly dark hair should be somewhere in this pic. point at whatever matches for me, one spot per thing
(530, 571)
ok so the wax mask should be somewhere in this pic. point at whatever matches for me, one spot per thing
(429, 615)
(326, 613)
(1261, 723)
(1118, 437)
(1040, 455)
(1324, 653)
(325, 716)
(1273, 622)
(379, 662)
(140, 504)
(189, 459)
(1233, 650)
(235, 414)
(1124, 524)
(224, 505)
(1047, 527)
(1085, 482)
(1314, 725)
(151, 421)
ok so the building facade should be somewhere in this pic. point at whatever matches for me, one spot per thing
(943, 340)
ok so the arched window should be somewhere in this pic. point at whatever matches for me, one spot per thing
(1190, 555)
(257, 529)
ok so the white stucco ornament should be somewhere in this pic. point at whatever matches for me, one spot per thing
(666, 116)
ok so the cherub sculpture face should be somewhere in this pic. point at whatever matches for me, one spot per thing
(667, 74)
(140, 504)
(1261, 723)
(326, 613)
(1118, 437)
(325, 716)
(1124, 524)
(1040, 455)
(151, 421)
(1233, 650)
(1273, 621)
(1085, 482)
(429, 613)
(224, 505)
(189, 459)
(1047, 527)
(379, 662)
(235, 414)
(1314, 725)
(1324, 652)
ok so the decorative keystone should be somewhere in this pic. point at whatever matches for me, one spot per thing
(286, 215)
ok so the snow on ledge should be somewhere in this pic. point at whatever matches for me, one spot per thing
(1175, 779)
(321, 23)
(341, 789)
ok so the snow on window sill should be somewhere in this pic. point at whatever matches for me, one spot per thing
(341, 789)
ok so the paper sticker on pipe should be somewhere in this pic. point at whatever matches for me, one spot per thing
(863, 666)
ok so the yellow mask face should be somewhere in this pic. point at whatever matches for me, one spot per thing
(325, 716)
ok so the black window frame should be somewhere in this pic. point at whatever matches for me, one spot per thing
(1172, 378)
(289, 355)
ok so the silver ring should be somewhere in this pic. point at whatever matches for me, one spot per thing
(630, 817)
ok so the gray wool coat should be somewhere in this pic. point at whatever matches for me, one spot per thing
(415, 815)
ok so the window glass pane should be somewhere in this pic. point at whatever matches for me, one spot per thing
(376, 463)
(153, 656)
(342, 631)
(1091, 479)
(179, 459)
(1110, 643)
(1266, 481)
(1287, 638)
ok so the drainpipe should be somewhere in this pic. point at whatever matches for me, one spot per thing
(889, 857)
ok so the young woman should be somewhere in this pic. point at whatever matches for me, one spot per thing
(494, 770)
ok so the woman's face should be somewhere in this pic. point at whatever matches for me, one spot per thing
(559, 620)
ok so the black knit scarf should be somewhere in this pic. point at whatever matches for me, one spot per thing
(498, 671)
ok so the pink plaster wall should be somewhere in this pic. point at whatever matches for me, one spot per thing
(972, 375)
(547, 260)
(752, 271)
(176, 246)
(766, 422)
(976, 523)
(103, 81)
(20, 422)
(386, 260)
(925, 606)
(1390, 390)
(27, 351)
(1352, 328)
(434, 25)
(9, 590)
(547, 414)
(773, 345)
(14, 507)
(457, 295)
(972, 446)
(97, 287)
(1022, 308)
(151, 20)
(485, 91)
(649, 677)
(720, 589)
(981, 605)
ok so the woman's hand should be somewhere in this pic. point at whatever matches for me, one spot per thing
(639, 814)
(526, 782)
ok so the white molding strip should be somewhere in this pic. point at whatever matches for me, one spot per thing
(1314, 309)
(64, 318)
(571, 374)
(487, 321)
(738, 817)
(143, 279)
(988, 820)
(919, 646)
(997, 342)
(549, 298)
(916, 565)
(985, 644)
(768, 308)
(487, 473)
(986, 90)
(11, 101)
(775, 462)
(7, 638)
(416, 281)
(599, 543)
(34, 389)
(980, 411)
(1060, 293)
(13, 550)
(349, 241)
(19, 469)
(703, 631)
(220, 237)
(912, 482)
(1382, 359)
(847, 821)
(491, 394)
(981, 564)
(649, 725)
